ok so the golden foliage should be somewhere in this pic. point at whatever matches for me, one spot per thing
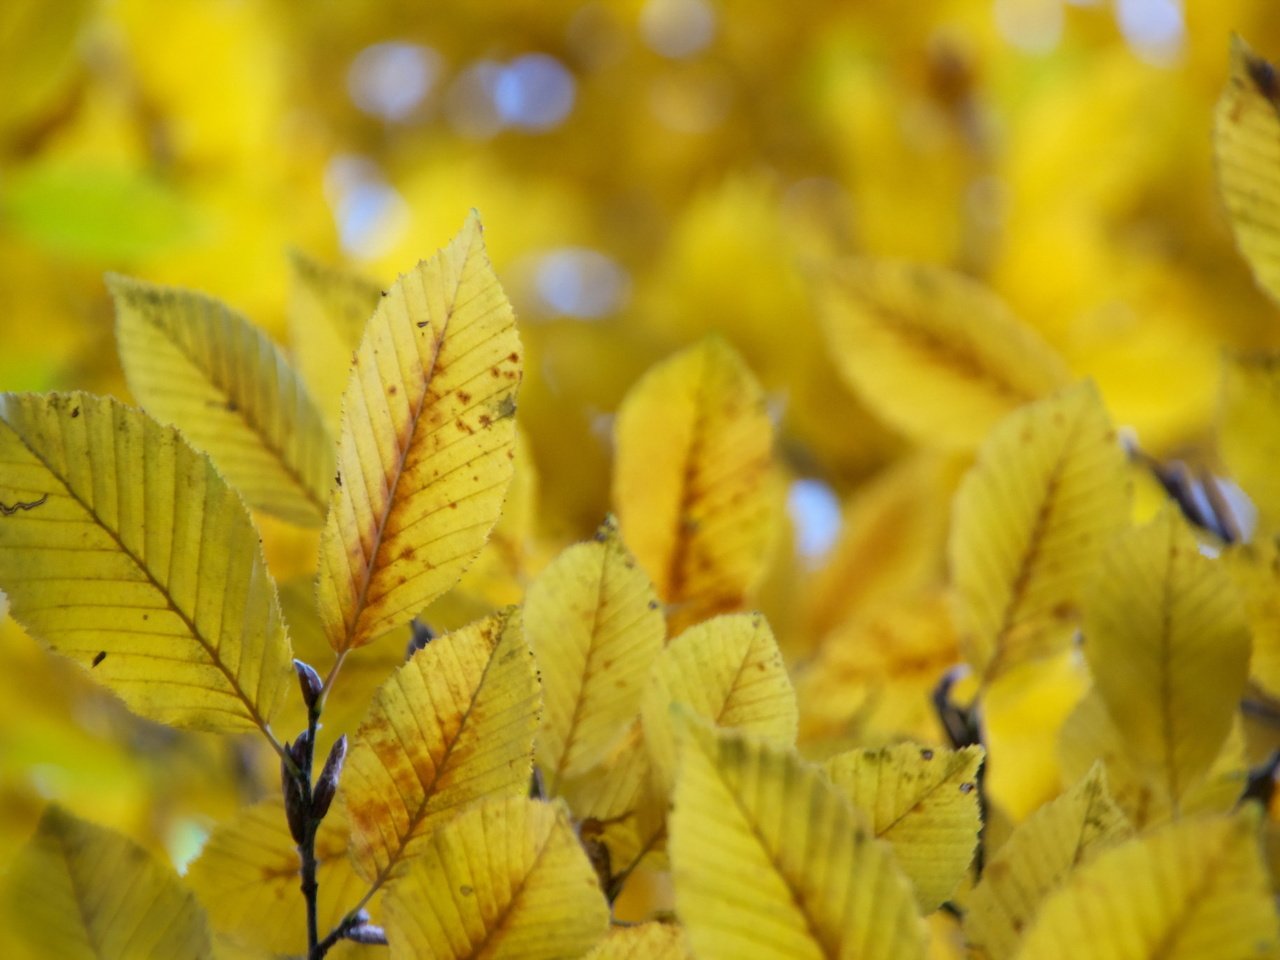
(160, 588)
(1030, 521)
(426, 448)
(693, 483)
(196, 364)
(506, 879)
(758, 833)
(83, 892)
(454, 725)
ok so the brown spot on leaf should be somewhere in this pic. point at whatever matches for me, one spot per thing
(464, 396)
(99, 657)
(407, 552)
(392, 390)
(926, 754)
(75, 413)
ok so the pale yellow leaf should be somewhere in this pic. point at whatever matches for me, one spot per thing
(328, 310)
(694, 483)
(1255, 569)
(893, 326)
(454, 725)
(727, 670)
(1030, 521)
(1249, 423)
(137, 560)
(770, 861)
(246, 877)
(645, 941)
(1168, 647)
(1193, 890)
(426, 453)
(78, 891)
(506, 879)
(1246, 142)
(595, 626)
(924, 802)
(193, 362)
(1056, 839)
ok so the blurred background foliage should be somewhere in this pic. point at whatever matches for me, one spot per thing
(647, 171)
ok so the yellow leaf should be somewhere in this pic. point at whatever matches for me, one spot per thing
(1056, 839)
(873, 676)
(1168, 647)
(770, 861)
(1255, 569)
(924, 802)
(507, 879)
(247, 879)
(454, 725)
(193, 362)
(1246, 142)
(893, 326)
(1249, 425)
(328, 310)
(727, 670)
(124, 549)
(595, 626)
(426, 449)
(78, 891)
(693, 480)
(1194, 890)
(1030, 520)
(645, 941)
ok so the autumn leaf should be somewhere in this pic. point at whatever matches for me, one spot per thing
(246, 877)
(727, 670)
(454, 725)
(594, 624)
(1030, 521)
(78, 891)
(328, 310)
(1055, 840)
(193, 362)
(1168, 646)
(924, 802)
(506, 879)
(1249, 425)
(758, 833)
(645, 941)
(1246, 142)
(123, 548)
(1194, 889)
(894, 325)
(1255, 570)
(693, 484)
(426, 453)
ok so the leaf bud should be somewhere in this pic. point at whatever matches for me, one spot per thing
(310, 682)
(327, 784)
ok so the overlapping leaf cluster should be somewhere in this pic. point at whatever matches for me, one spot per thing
(631, 720)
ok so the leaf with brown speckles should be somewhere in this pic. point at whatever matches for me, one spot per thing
(452, 726)
(895, 326)
(728, 671)
(426, 451)
(1030, 520)
(694, 484)
(507, 880)
(924, 802)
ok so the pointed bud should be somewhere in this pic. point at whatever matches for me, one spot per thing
(300, 750)
(295, 810)
(310, 681)
(327, 784)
